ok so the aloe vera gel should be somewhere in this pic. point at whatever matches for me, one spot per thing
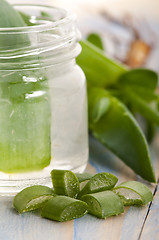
(43, 106)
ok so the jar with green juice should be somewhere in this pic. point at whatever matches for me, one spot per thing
(43, 104)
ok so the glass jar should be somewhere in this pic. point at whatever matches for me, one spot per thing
(43, 104)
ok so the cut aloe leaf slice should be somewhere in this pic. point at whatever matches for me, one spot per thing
(62, 208)
(103, 204)
(99, 182)
(133, 193)
(83, 176)
(65, 183)
(32, 198)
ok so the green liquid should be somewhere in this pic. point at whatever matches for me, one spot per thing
(24, 122)
(24, 102)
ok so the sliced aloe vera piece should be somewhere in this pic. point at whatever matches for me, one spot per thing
(99, 182)
(65, 183)
(83, 176)
(62, 208)
(103, 204)
(133, 193)
(32, 198)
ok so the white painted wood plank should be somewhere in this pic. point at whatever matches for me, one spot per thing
(30, 226)
(151, 227)
(93, 228)
(133, 223)
(135, 217)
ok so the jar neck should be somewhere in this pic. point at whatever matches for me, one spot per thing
(62, 68)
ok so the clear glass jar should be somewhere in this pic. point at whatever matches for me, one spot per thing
(43, 104)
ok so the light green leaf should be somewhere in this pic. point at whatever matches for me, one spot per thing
(100, 108)
(147, 109)
(118, 131)
(96, 40)
(142, 78)
(100, 71)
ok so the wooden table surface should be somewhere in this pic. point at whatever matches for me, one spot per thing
(135, 223)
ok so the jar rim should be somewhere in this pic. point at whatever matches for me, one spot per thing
(53, 42)
(47, 25)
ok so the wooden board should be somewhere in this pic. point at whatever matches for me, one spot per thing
(134, 224)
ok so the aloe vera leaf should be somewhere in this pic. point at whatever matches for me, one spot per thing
(103, 204)
(118, 131)
(146, 94)
(9, 17)
(96, 40)
(150, 131)
(138, 90)
(26, 19)
(100, 109)
(62, 208)
(46, 15)
(32, 198)
(145, 102)
(149, 109)
(100, 71)
(148, 128)
(98, 183)
(143, 78)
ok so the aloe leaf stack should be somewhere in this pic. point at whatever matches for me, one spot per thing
(24, 104)
(115, 95)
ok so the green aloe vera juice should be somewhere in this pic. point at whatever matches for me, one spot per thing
(24, 122)
(24, 98)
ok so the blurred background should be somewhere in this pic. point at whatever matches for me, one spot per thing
(129, 28)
